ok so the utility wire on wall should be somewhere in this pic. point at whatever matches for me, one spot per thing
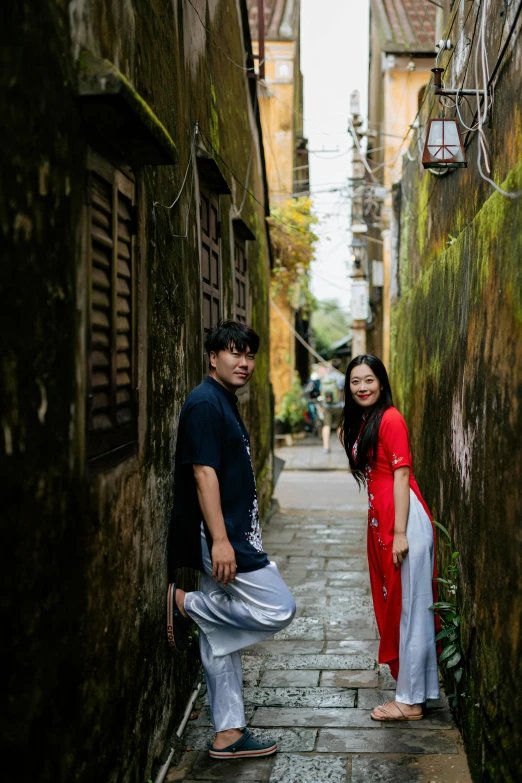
(241, 67)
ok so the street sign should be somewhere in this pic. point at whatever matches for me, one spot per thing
(359, 300)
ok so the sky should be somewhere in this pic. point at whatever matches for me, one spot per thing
(334, 61)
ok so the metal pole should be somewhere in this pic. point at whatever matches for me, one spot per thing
(261, 37)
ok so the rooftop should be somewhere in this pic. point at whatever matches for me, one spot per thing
(406, 26)
(281, 19)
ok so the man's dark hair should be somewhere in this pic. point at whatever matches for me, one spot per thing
(231, 333)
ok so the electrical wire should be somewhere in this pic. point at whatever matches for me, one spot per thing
(189, 164)
(427, 93)
(331, 282)
(278, 220)
(241, 67)
(298, 336)
(189, 203)
(483, 112)
(359, 150)
(237, 212)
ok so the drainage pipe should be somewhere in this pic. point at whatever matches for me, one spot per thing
(164, 769)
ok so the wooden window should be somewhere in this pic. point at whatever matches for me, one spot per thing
(111, 365)
(240, 281)
(210, 261)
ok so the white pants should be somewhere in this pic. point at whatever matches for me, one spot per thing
(257, 605)
(418, 678)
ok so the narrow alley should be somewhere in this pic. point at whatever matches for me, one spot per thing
(234, 231)
(313, 686)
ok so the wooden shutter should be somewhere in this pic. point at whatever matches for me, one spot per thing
(111, 371)
(210, 261)
(240, 281)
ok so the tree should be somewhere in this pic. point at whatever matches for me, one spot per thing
(293, 242)
(330, 323)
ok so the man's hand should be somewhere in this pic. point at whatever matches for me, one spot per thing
(223, 562)
(400, 548)
(223, 555)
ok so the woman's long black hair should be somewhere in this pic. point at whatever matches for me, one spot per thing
(352, 417)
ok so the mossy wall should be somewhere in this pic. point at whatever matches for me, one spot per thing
(92, 681)
(457, 376)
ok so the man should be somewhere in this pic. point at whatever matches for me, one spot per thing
(215, 527)
(331, 401)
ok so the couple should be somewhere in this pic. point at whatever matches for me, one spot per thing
(242, 598)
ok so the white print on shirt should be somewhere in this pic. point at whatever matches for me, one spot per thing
(254, 534)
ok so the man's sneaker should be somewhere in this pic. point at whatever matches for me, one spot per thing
(245, 747)
(177, 625)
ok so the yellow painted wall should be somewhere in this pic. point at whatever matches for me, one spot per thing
(282, 348)
(276, 102)
(278, 120)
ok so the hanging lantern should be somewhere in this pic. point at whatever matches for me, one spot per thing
(443, 148)
(358, 248)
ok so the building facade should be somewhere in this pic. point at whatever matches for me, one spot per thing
(134, 217)
(457, 361)
(402, 50)
(280, 93)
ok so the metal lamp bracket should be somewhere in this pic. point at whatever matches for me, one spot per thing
(451, 93)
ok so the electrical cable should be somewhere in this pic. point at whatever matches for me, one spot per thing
(359, 150)
(241, 67)
(483, 113)
(190, 162)
(239, 211)
(272, 217)
(185, 235)
(330, 282)
(427, 93)
(301, 339)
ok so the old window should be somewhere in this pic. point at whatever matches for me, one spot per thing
(210, 261)
(111, 350)
(240, 281)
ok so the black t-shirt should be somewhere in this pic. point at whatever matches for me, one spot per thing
(211, 432)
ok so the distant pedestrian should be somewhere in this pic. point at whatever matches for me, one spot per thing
(401, 538)
(331, 402)
(215, 528)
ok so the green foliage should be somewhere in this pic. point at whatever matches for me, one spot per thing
(292, 405)
(293, 242)
(447, 609)
(329, 324)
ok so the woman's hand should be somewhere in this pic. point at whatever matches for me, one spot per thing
(400, 548)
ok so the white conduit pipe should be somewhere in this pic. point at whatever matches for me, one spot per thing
(165, 768)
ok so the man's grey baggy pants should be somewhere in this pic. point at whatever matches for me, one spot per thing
(257, 605)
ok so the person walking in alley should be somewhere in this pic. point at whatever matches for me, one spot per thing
(331, 401)
(401, 538)
(215, 528)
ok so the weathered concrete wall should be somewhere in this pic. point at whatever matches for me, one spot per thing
(92, 680)
(457, 376)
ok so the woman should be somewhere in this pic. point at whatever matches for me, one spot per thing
(401, 538)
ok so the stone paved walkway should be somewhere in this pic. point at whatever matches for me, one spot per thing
(308, 455)
(312, 687)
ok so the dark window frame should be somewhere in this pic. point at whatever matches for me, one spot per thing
(211, 263)
(241, 293)
(111, 355)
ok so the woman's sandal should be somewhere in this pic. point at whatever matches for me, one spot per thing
(391, 717)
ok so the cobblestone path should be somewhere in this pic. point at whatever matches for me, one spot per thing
(313, 686)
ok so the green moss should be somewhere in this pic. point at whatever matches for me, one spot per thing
(214, 118)
(421, 210)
